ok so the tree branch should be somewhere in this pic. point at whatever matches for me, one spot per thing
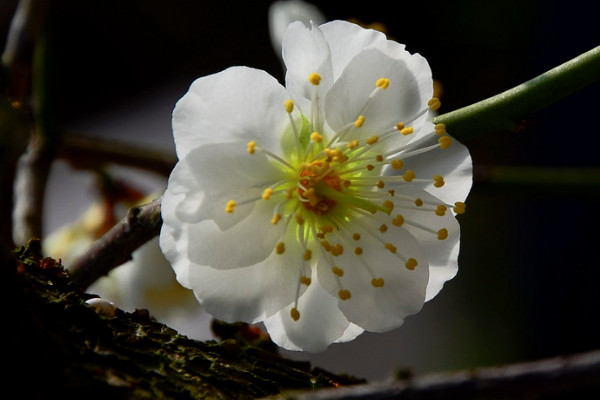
(574, 376)
(114, 248)
(507, 110)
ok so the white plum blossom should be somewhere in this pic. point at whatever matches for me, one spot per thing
(323, 208)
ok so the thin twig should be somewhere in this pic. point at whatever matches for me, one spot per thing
(114, 248)
(92, 152)
(575, 376)
(508, 110)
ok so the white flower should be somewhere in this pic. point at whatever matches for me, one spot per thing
(284, 12)
(318, 208)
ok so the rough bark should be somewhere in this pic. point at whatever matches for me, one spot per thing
(59, 347)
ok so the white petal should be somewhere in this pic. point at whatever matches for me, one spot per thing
(453, 164)
(372, 308)
(282, 13)
(442, 255)
(251, 293)
(321, 323)
(213, 174)
(305, 51)
(409, 91)
(238, 104)
(248, 242)
(346, 40)
(173, 239)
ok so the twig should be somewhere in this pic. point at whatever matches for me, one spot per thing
(114, 248)
(576, 376)
(507, 110)
(91, 152)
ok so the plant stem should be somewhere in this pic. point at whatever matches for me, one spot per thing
(507, 110)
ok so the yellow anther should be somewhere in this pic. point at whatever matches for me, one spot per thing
(398, 220)
(383, 228)
(389, 205)
(392, 192)
(442, 234)
(295, 314)
(434, 103)
(344, 294)
(337, 271)
(409, 175)
(276, 218)
(289, 105)
(377, 282)
(351, 145)
(359, 121)
(418, 202)
(316, 137)
(391, 247)
(370, 167)
(441, 210)
(307, 194)
(230, 206)
(411, 263)
(327, 228)
(251, 146)
(440, 129)
(314, 78)
(459, 207)
(305, 280)
(397, 164)
(372, 139)
(337, 250)
(445, 142)
(399, 126)
(280, 248)
(326, 245)
(299, 219)
(356, 236)
(307, 254)
(379, 158)
(358, 251)
(266, 195)
(289, 192)
(382, 83)
(406, 131)
(380, 184)
(438, 181)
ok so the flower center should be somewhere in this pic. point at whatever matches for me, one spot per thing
(315, 181)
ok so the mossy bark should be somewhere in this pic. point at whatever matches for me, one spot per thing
(56, 346)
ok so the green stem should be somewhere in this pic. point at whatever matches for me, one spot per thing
(507, 110)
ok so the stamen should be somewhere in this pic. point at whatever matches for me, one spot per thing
(314, 78)
(337, 271)
(344, 294)
(295, 314)
(316, 137)
(230, 206)
(459, 207)
(372, 140)
(382, 83)
(434, 104)
(305, 280)
(289, 106)
(280, 248)
(356, 236)
(411, 264)
(438, 181)
(440, 129)
(441, 210)
(276, 218)
(406, 131)
(397, 164)
(442, 234)
(251, 147)
(359, 121)
(266, 195)
(377, 282)
(445, 142)
(408, 176)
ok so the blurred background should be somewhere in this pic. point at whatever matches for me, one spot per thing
(529, 280)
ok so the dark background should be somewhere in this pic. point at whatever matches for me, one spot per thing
(529, 279)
